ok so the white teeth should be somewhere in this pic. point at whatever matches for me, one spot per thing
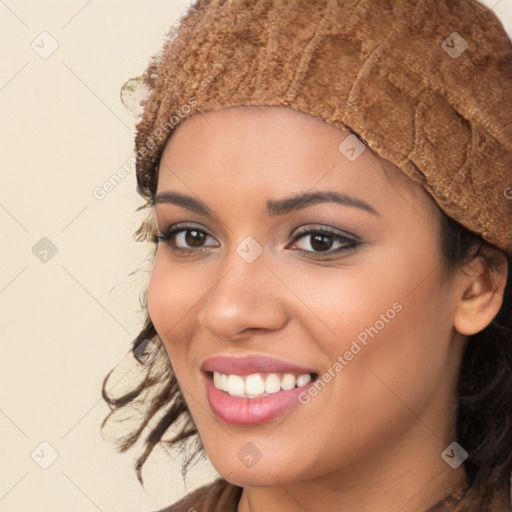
(256, 385)
(272, 383)
(303, 379)
(223, 382)
(216, 380)
(288, 382)
(235, 385)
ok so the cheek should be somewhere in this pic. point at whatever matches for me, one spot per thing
(338, 307)
(171, 297)
(390, 320)
(401, 340)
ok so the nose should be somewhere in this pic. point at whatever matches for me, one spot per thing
(245, 298)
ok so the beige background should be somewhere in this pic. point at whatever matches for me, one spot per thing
(63, 132)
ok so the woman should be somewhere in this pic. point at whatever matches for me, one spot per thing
(329, 303)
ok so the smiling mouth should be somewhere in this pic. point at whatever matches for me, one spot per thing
(255, 398)
(261, 384)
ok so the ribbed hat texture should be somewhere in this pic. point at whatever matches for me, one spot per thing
(426, 84)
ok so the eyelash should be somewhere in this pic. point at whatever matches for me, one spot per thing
(350, 244)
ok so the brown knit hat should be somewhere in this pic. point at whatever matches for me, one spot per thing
(426, 84)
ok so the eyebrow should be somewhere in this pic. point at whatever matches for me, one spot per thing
(277, 207)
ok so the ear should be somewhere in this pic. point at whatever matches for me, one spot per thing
(482, 283)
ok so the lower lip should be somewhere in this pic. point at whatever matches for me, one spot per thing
(251, 411)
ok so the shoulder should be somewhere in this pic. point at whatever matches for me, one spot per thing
(219, 495)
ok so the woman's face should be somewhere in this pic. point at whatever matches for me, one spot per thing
(350, 291)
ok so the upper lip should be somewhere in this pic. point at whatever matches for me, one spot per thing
(246, 365)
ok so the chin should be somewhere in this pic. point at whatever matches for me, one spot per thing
(253, 473)
(251, 477)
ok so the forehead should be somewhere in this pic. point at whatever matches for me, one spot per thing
(275, 151)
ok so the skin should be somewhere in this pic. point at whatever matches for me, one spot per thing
(372, 439)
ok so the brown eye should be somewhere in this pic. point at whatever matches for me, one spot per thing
(184, 238)
(322, 241)
(194, 237)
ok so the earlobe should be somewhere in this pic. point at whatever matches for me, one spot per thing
(481, 294)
